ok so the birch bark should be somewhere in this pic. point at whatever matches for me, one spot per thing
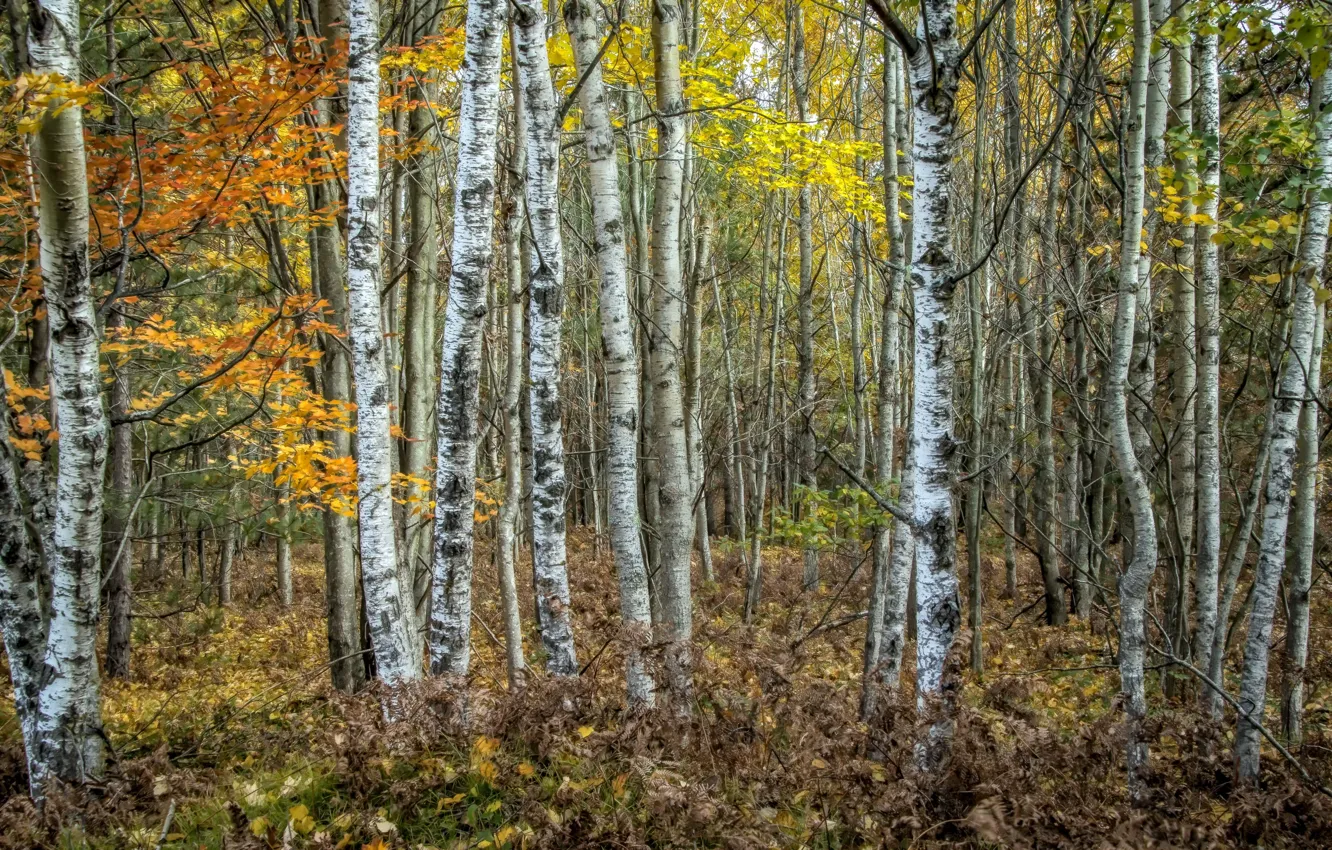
(546, 261)
(1299, 580)
(1208, 565)
(1183, 361)
(935, 72)
(621, 357)
(674, 495)
(460, 357)
(68, 732)
(1137, 576)
(1296, 382)
(388, 607)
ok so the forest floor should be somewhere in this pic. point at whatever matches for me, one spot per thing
(229, 736)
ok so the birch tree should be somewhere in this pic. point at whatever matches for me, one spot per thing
(460, 357)
(621, 357)
(1138, 572)
(506, 534)
(675, 497)
(934, 58)
(1208, 564)
(388, 605)
(53, 658)
(546, 262)
(1296, 381)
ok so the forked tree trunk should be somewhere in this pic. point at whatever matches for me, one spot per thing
(389, 611)
(546, 285)
(1296, 382)
(460, 358)
(621, 358)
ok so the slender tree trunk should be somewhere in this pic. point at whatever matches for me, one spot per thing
(22, 620)
(347, 667)
(859, 380)
(118, 536)
(281, 514)
(1300, 578)
(460, 358)
(419, 336)
(388, 605)
(1297, 381)
(1056, 605)
(621, 357)
(694, 394)
(805, 304)
(511, 508)
(1237, 552)
(883, 591)
(977, 294)
(546, 261)
(754, 579)
(675, 496)
(734, 445)
(1208, 566)
(1142, 368)
(1183, 367)
(1137, 576)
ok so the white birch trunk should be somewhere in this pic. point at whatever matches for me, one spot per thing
(1208, 564)
(68, 734)
(21, 619)
(505, 543)
(934, 72)
(621, 356)
(460, 356)
(1295, 385)
(1142, 368)
(1137, 574)
(675, 496)
(1299, 580)
(389, 611)
(546, 285)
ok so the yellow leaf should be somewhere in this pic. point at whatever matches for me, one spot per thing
(585, 731)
